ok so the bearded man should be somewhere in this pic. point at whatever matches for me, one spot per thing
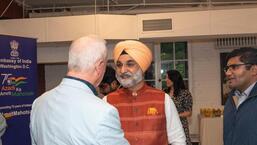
(148, 115)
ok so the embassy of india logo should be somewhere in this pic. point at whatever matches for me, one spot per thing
(14, 47)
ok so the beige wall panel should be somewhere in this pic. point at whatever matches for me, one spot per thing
(183, 24)
(34, 28)
(70, 28)
(117, 26)
(237, 21)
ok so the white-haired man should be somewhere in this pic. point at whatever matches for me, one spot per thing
(71, 113)
(148, 115)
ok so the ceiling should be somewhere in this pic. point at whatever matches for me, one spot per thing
(74, 7)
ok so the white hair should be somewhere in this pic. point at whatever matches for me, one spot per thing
(85, 52)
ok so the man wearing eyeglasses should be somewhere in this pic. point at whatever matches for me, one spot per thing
(240, 112)
(148, 115)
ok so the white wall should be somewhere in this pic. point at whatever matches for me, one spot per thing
(205, 79)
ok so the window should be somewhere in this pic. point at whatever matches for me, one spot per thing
(174, 55)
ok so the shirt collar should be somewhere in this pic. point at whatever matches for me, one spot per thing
(249, 89)
(91, 87)
(246, 92)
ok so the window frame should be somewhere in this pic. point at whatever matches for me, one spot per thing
(158, 62)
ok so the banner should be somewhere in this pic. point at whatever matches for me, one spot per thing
(18, 86)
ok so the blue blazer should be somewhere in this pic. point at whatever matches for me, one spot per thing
(240, 124)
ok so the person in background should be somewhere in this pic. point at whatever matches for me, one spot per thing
(148, 115)
(240, 112)
(3, 127)
(109, 82)
(181, 97)
(71, 113)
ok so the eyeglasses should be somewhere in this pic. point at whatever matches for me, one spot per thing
(234, 66)
(128, 64)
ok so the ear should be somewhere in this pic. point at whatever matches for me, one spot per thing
(254, 70)
(99, 66)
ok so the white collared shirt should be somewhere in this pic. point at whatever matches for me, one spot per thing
(243, 96)
(175, 131)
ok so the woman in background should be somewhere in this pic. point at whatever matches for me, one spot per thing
(181, 97)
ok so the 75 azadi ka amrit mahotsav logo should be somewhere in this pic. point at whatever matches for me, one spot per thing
(11, 83)
(11, 80)
(17, 81)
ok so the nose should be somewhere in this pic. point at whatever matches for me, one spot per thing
(166, 80)
(123, 69)
(228, 72)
